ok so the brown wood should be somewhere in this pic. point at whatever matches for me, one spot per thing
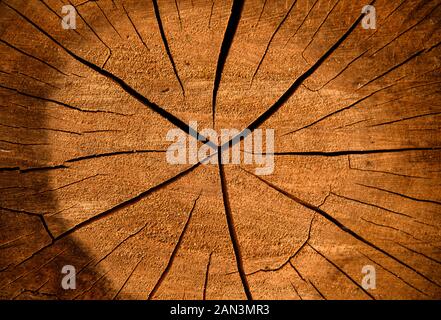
(84, 179)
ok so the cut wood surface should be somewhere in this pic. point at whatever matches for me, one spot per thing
(84, 180)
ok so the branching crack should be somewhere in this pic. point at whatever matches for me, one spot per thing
(114, 209)
(344, 228)
(128, 89)
(296, 84)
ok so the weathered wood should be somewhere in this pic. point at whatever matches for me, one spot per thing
(84, 179)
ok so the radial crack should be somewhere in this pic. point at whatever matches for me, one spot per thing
(107, 19)
(318, 29)
(340, 153)
(121, 243)
(134, 27)
(297, 271)
(166, 46)
(339, 110)
(231, 229)
(316, 289)
(61, 103)
(413, 56)
(406, 118)
(394, 274)
(91, 286)
(419, 253)
(400, 194)
(405, 31)
(211, 13)
(173, 254)
(342, 271)
(271, 40)
(38, 80)
(33, 57)
(261, 12)
(301, 23)
(207, 274)
(233, 22)
(128, 278)
(372, 205)
(295, 290)
(111, 154)
(179, 13)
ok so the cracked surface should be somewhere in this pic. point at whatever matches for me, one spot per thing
(84, 180)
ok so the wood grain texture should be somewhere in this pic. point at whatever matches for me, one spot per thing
(83, 174)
